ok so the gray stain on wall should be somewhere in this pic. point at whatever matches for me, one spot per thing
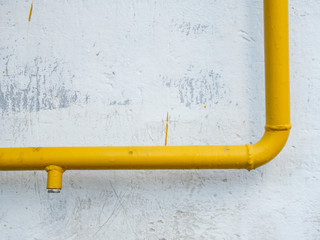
(40, 85)
(119, 103)
(197, 87)
(188, 28)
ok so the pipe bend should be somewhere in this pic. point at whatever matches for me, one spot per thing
(269, 146)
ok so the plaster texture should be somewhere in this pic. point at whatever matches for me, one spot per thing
(105, 73)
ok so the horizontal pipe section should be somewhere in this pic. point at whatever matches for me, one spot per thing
(160, 157)
(176, 157)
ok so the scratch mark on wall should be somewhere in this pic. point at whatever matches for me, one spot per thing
(30, 13)
(108, 219)
(115, 211)
(246, 36)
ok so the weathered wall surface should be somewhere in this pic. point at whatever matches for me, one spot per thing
(105, 73)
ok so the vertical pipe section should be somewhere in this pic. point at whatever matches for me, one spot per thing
(277, 84)
(277, 64)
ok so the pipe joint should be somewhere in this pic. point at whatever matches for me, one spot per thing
(250, 162)
(267, 148)
(284, 127)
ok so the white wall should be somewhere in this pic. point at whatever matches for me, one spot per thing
(105, 73)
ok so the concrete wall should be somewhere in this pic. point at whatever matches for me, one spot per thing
(105, 73)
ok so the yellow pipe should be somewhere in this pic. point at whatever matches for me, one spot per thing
(56, 160)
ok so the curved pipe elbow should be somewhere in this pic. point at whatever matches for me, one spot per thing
(269, 146)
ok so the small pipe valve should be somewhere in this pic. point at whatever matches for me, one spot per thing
(54, 180)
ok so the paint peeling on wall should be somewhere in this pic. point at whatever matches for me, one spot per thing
(198, 87)
(188, 28)
(42, 85)
(120, 103)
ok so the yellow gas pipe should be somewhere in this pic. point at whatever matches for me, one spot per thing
(55, 160)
